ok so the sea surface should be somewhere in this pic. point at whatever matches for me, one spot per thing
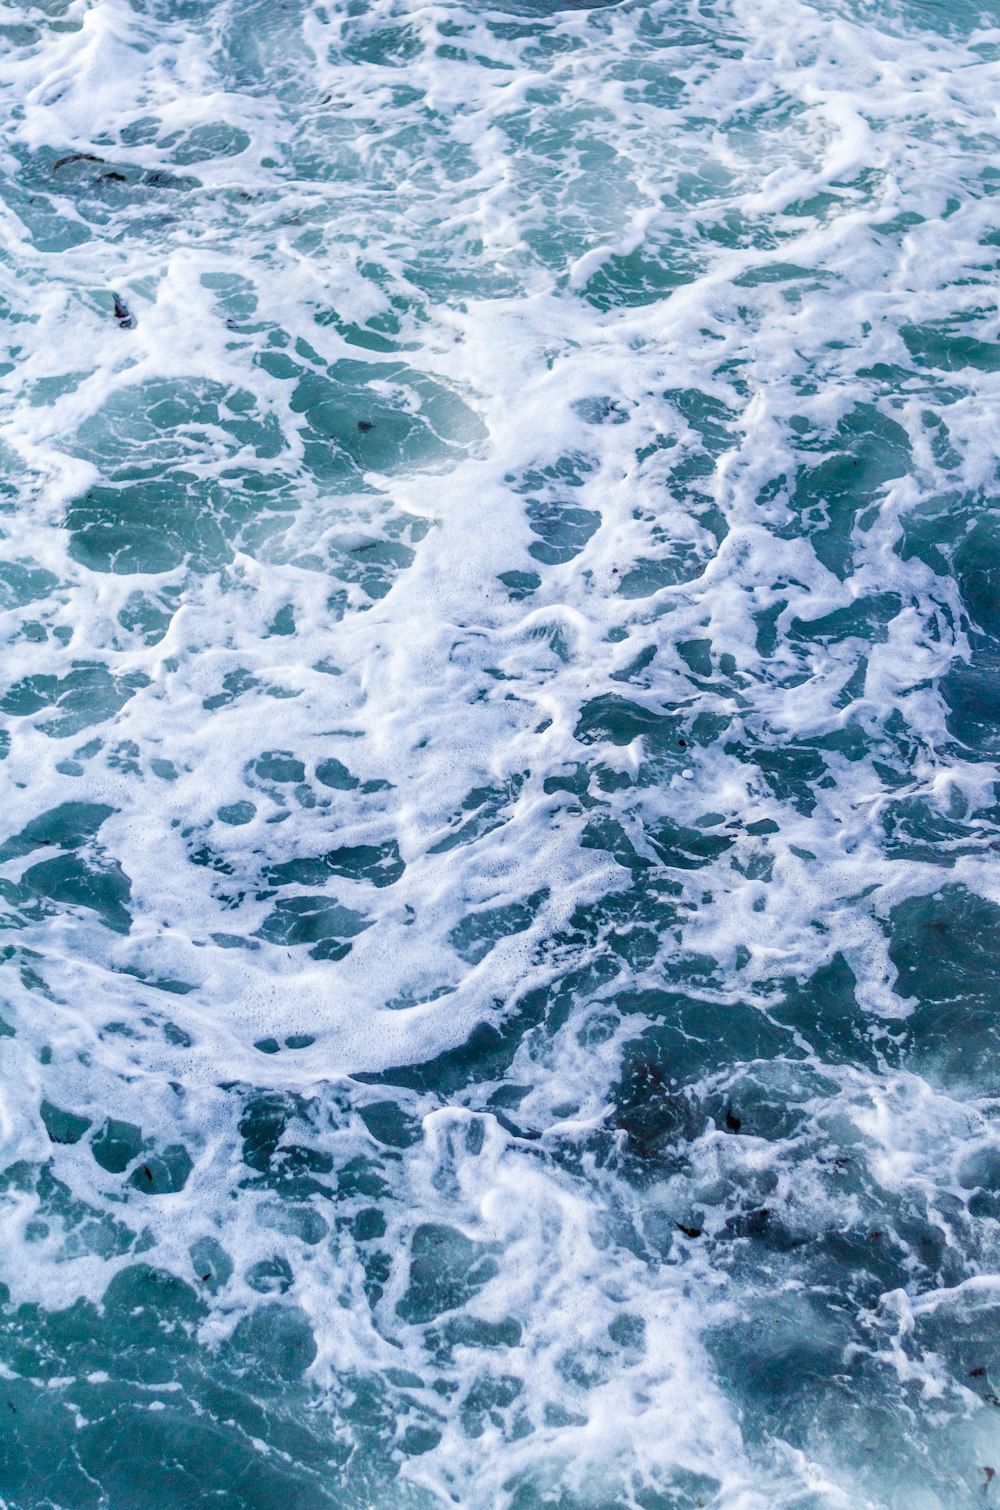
(500, 733)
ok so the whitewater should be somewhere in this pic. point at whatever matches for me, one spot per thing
(499, 743)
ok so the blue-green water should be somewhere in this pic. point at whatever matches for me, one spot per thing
(500, 718)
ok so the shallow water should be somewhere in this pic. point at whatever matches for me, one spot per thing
(500, 603)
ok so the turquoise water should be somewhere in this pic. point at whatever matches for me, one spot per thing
(500, 606)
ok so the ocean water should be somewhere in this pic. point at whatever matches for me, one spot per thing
(500, 718)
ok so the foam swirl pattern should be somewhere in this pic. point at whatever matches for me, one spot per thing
(500, 722)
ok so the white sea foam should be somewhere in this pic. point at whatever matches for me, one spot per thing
(424, 212)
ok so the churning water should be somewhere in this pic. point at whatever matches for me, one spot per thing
(500, 706)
